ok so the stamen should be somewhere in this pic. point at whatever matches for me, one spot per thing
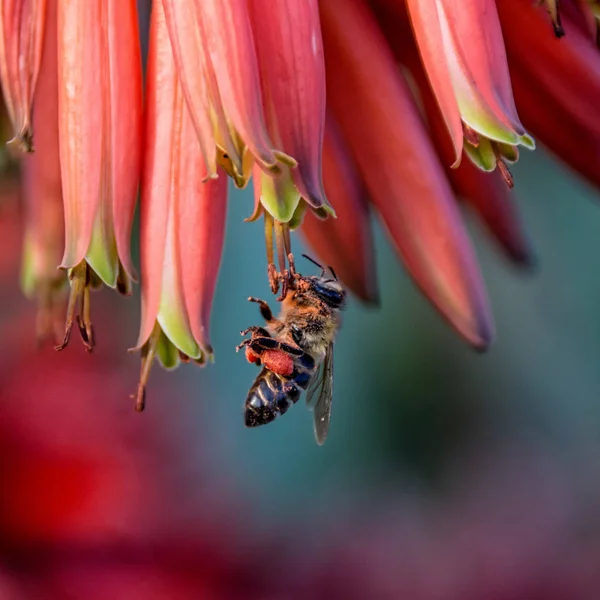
(471, 135)
(123, 282)
(23, 140)
(84, 320)
(148, 355)
(292, 263)
(502, 166)
(554, 12)
(283, 243)
(507, 176)
(280, 244)
(271, 269)
(79, 277)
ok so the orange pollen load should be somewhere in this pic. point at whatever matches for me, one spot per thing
(278, 361)
(252, 357)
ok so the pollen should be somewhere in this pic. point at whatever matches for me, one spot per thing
(278, 361)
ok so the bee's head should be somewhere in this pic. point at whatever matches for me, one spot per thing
(328, 290)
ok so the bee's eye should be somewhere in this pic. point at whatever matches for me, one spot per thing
(328, 294)
(296, 334)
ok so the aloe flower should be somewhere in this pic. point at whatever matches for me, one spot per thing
(43, 240)
(21, 39)
(335, 109)
(461, 45)
(182, 221)
(100, 107)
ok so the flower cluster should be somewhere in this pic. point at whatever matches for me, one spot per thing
(331, 107)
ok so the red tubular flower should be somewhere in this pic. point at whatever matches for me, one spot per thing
(486, 192)
(292, 72)
(197, 80)
(552, 6)
(42, 193)
(399, 167)
(218, 141)
(461, 46)
(21, 39)
(219, 76)
(182, 221)
(100, 107)
(225, 25)
(556, 82)
(345, 243)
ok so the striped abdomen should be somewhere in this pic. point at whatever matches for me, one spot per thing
(272, 395)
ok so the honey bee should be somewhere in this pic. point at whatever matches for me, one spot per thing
(295, 351)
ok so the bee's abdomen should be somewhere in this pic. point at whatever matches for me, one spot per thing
(272, 395)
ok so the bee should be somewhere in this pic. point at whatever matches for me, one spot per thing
(295, 351)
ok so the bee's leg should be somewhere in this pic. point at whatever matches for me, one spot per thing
(275, 356)
(252, 355)
(260, 344)
(242, 345)
(294, 350)
(265, 309)
(256, 330)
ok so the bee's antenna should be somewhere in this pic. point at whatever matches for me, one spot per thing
(332, 272)
(314, 262)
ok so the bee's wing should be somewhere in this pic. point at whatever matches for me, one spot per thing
(321, 388)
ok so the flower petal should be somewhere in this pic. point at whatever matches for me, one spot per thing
(486, 192)
(80, 124)
(201, 238)
(125, 121)
(292, 72)
(228, 35)
(183, 215)
(100, 108)
(41, 184)
(399, 167)
(21, 38)
(172, 311)
(345, 243)
(156, 184)
(476, 57)
(426, 26)
(277, 193)
(567, 71)
(190, 58)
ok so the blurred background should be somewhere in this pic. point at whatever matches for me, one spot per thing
(447, 474)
